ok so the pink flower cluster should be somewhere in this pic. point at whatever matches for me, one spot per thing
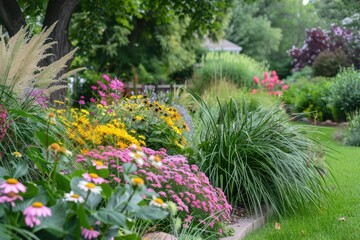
(272, 83)
(109, 91)
(3, 124)
(9, 193)
(175, 181)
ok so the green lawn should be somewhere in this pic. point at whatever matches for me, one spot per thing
(344, 202)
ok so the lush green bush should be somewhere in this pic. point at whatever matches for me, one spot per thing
(258, 158)
(344, 95)
(352, 133)
(328, 63)
(309, 97)
(237, 68)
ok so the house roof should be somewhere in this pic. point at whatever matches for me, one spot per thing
(222, 45)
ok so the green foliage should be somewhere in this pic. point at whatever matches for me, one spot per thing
(237, 68)
(328, 63)
(352, 133)
(345, 93)
(253, 33)
(267, 29)
(258, 158)
(309, 97)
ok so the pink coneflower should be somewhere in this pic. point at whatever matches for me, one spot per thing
(89, 233)
(81, 102)
(37, 209)
(10, 198)
(93, 177)
(12, 185)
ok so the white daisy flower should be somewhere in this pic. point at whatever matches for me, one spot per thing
(89, 186)
(73, 197)
(138, 157)
(158, 202)
(155, 161)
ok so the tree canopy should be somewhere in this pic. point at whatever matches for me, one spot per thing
(105, 30)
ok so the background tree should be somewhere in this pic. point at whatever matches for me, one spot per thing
(106, 25)
(257, 26)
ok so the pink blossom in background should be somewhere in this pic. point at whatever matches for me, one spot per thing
(256, 80)
(253, 91)
(106, 77)
(89, 233)
(10, 198)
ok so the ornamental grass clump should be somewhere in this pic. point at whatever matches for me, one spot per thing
(174, 179)
(257, 158)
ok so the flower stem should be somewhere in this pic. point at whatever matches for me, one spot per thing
(126, 204)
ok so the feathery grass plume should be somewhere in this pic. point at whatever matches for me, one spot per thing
(20, 69)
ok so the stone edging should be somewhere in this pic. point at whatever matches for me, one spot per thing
(246, 225)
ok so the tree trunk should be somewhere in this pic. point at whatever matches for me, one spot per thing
(60, 12)
(11, 16)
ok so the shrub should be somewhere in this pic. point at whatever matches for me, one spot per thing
(236, 68)
(352, 133)
(345, 93)
(172, 177)
(328, 63)
(319, 40)
(309, 97)
(258, 158)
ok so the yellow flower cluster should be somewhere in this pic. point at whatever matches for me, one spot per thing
(87, 129)
(142, 110)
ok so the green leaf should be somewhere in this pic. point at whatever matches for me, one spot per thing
(81, 214)
(35, 155)
(41, 136)
(104, 173)
(129, 168)
(151, 213)
(156, 140)
(54, 224)
(31, 190)
(63, 182)
(111, 217)
(21, 169)
(106, 190)
(4, 172)
(78, 173)
(118, 199)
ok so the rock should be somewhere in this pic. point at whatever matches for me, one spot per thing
(159, 236)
